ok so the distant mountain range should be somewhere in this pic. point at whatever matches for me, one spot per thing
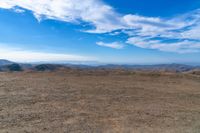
(166, 67)
(6, 65)
(5, 62)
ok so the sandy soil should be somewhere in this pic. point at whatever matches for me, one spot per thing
(99, 102)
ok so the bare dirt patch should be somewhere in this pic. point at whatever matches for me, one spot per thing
(88, 102)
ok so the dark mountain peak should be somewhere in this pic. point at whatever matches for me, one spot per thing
(47, 67)
(14, 67)
(11, 67)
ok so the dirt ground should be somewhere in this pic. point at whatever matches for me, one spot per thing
(99, 102)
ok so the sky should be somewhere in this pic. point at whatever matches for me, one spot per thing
(100, 31)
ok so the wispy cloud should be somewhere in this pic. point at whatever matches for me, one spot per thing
(18, 10)
(183, 46)
(95, 12)
(178, 34)
(115, 45)
(21, 55)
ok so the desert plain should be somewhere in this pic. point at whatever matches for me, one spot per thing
(99, 101)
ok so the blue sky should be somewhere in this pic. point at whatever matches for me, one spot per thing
(131, 31)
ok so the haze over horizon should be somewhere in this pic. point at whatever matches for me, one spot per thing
(103, 31)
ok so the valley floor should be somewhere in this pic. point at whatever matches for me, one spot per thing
(102, 102)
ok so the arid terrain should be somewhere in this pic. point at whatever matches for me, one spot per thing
(99, 101)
